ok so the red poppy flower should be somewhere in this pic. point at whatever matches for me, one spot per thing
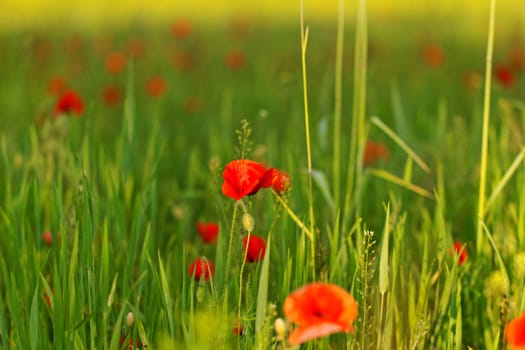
(517, 58)
(111, 95)
(201, 268)
(74, 44)
(156, 86)
(208, 231)
(235, 60)
(47, 237)
(69, 103)
(319, 309)
(135, 48)
(433, 55)
(56, 86)
(241, 178)
(115, 62)
(181, 29)
(182, 60)
(237, 328)
(375, 151)
(254, 247)
(48, 298)
(461, 253)
(505, 76)
(279, 180)
(515, 332)
(192, 104)
(132, 344)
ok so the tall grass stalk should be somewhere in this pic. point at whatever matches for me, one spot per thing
(485, 130)
(304, 43)
(358, 131)
(338, 82)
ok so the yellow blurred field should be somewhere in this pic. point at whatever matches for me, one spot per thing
(17, 14)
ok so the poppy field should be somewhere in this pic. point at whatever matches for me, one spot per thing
(345, 182)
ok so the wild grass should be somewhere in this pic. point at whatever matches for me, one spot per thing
(121, 188)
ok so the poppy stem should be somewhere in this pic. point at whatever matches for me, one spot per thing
(230, 241)
(485, 130)
(304, 42)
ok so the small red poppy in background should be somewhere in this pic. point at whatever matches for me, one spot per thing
(135, 48)
(192, 104)
(181, 29)
(472, 80)
(208, 231)
(375, 151)
(111, 95)
(74, 44)
(242, 177)
(237, 328)
(69, 103)
(115, 62)
(156, 86)
(201, 268)
(182, 60)
(56, 86)
(132, 345)
(279, 180)
(461, 253)
(235, 60)
(515, 332)
(48, 298)
(47, 237)
(505, 76)
(517, 58)
(319, 309)
(254, 247)
(433, 55)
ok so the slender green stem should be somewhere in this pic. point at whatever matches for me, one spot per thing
(304, 42)
(485, 132)
(337, 102)
(230, 243)
(358, 132)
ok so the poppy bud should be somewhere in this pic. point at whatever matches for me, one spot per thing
(130, 319)
(247, 222)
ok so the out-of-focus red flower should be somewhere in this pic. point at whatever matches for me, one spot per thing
(242, 177)
(103, 44)
(201, 268)
(69, 102)
(132, 345)
(192, 104)
(181, 29)
(115, 62)
(74, 44)
(471, 80)
(156, 86)
(237, 328)
(505, 76)
(111, 95)
(41, 49)
(208, 231)
(319, 309)
(183, 60)
(515, 333)
(517, 58)
(56, 85)
(239, 27)
(48, 298)
(433, 55)
(47, 237)
(235, 60)
(135, 48)
(461, 252)
(375, 151)
(254, 247)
